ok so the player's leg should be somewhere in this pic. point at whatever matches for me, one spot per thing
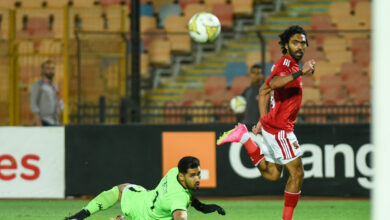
(293, 187)
(240, 134)
(103, 201)
(268, 169)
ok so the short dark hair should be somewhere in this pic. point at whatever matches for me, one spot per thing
(188, 163)
(288, 33)
(256, 66)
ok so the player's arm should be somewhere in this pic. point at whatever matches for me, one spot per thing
(281, 81)
(207, 208)
(179, 215)
(264, 95)
(34, 103)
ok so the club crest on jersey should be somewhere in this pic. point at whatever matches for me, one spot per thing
(286, 62)
(296, 145)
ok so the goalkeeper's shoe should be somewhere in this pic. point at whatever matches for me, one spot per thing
(79, 216)
(233, 135)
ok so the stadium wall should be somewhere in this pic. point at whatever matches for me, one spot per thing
(32, 162)
(337, 159)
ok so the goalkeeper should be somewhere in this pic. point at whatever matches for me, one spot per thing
(169, 200)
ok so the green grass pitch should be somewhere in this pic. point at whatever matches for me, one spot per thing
(236, 210)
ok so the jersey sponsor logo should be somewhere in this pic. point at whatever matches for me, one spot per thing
(286, 62)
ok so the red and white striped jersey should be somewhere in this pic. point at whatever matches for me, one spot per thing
(285, 102)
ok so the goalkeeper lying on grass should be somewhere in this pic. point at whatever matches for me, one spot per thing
(169, 200)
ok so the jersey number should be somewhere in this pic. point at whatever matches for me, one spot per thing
(154, 200)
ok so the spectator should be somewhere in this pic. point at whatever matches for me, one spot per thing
(251, 95)
(44, 97)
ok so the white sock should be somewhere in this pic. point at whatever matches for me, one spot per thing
(244, 138)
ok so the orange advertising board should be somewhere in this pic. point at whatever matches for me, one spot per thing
(201, 145)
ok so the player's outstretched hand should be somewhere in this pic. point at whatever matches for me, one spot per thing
(207, 208)
(308, 67)
(256, 129)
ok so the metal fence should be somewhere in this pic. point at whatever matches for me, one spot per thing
(104, 113)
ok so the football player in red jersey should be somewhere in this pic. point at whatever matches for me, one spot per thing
(283, 91)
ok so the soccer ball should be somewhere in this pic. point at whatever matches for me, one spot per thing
(204, 27)
(238, 104)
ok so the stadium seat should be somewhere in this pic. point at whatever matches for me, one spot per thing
(192, 9)
(220, 96)
(242, 7)
(308, 81)
(339, 57)
(184, 3)
(110, 3)
(356, 82)
(224, 113)
(254, 57)
(239, 84)
(362, 96)
(350, 23)
(210, 3)
(39, 22)
(321, 22)
(324, 68)
(147, 10)
(330, 82)
(26, 47)
(176, 28)
(334, 95)
(234, 69)
(360, 44)
(158, 3)
(224, 12)
(160, 52)
(202, 111)
(363, 13)
(214, 83)
(339, 10)
(174, 112)
(4, 34)
(30, 4)
(312, 52)
(332, 44)
(363, 58)
(84, 3)
(347, 70)
(57, 3)
(310, 94)
(353, 3)
(191, 95)
(167, 10)
(274, 49)
(312, 112)
(150, 35)
(147, 23)
(114, 18)
(7, 4)
(50, 46)
(90, 18)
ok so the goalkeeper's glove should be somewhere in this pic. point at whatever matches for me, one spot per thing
(207, 208)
